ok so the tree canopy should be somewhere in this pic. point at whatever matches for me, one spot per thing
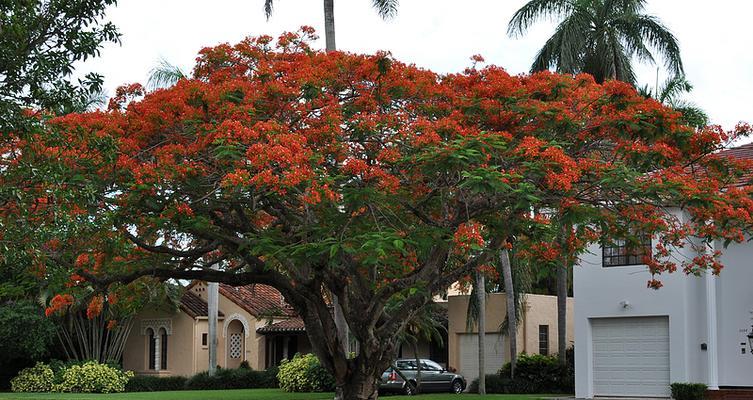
(357, 175)
(40, 40)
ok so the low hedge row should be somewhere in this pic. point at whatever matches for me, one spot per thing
(239, 378)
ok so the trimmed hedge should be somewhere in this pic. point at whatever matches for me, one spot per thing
(240, 378)
(688, 391)
(304, 373)
(146, 383)
(534, 374)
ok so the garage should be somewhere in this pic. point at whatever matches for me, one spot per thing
(631, 356)
(494, 355)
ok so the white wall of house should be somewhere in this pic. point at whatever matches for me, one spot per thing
(621, 292)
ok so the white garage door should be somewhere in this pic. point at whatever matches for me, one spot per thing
(493, 356)
(631, 356)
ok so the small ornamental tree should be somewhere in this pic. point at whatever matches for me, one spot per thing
(360, 176)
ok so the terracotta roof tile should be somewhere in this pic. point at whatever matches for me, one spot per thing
(288, 325)
(259, 300)
(194, 305)
(744, 152)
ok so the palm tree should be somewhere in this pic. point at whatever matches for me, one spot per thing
(670, 92)
(427, 325)
(385, 8)
(164, 75)
(512, 311)
(599, 37)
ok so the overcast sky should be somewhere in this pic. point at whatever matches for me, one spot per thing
(716, 38)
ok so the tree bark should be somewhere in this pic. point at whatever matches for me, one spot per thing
(329, 24)
(512, 322)
(481, 293)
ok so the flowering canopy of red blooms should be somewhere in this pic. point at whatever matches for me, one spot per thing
(373, 179)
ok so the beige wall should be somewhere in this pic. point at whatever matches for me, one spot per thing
(186, 355)
(180, 345)
(540, 310)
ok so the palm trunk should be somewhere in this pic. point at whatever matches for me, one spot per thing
(418, 367)
(329, 24)
(512, 322)
(562, 301)
(481, 293)
(562, 313)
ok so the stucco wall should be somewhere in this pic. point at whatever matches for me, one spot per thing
(540, 310)
(180, 345)
(601, 293)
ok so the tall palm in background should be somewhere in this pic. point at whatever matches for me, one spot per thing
(670, 94)
(385, 8)
(599, 37)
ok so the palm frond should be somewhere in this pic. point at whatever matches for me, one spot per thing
(672, 88)
(536, 10)
(661, 39)
(386, 8)
(164, 75)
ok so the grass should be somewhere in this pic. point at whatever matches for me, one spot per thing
(244, 394)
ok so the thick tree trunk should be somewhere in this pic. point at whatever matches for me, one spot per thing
(562, 312)
(512, 323)
(481, 293)
(359, 388)
(329, 24)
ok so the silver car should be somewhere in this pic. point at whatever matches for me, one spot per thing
(434, 378)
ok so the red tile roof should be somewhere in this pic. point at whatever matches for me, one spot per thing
(744, 152)
(194, 305)
(258, 300)
(288, 326)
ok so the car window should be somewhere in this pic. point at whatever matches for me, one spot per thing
(430, 365)
(406, 365)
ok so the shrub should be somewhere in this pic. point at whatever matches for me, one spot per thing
(145, 383)
(240, 378)
(534, 374)
(38, 378)
(688, 391)
(304, 374)
(92, 377)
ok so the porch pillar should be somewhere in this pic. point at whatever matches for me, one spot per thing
(711, 326)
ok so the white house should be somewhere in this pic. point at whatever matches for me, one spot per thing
(635, 341)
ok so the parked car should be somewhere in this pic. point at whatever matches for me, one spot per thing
(434, 378)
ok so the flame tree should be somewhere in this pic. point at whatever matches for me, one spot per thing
(356, 175)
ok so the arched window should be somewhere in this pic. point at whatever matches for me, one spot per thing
(152, 344)
(163, 348)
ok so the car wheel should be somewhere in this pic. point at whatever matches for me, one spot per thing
(457, 386)
(408, 389)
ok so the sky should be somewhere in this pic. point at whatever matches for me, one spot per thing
(716, 39)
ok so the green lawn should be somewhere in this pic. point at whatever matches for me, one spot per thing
(246, 394)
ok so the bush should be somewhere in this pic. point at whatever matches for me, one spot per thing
(304, 374)
(146, 383)
(688, 391)
(92, 377)
(534, 374)
(240, 378)
(38, 378)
